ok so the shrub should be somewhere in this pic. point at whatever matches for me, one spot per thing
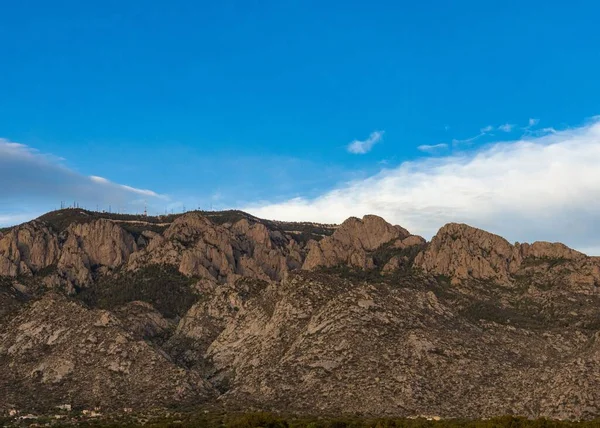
(163, 286)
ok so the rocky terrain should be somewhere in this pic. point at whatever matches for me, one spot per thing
(116, 312)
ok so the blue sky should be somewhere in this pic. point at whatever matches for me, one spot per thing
(256, 103)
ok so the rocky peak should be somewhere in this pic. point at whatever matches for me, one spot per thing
(352, 241)
(255, 232)
(220, 253)
(462, 252)
(27, 248)
(369, 233)
(191, 226)
(541, 249)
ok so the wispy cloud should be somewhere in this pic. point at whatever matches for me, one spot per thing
(40, 181)
(143, 192)
(482, 132)
(457, 142)
(489, 131)
(543, 188)
(433, 148)
(359, 147)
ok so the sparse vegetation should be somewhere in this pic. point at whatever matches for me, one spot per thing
(380, 257)
(550, 262)
(163, 286)
(60, 220)
(48, 270)
(495, 312)
(301, 232)
(384, 254)
(269, 420)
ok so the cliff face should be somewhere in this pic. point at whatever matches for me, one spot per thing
(226, 308)
(97, 246)
(463, 252)
(28, 248)
(352, 243)
(221, 253)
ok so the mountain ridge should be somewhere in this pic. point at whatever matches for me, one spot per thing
(245, 314)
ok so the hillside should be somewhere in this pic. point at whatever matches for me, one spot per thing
(225, 309)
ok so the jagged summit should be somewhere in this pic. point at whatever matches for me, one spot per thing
(223, 307)
(461, 252)
(79, 245)
(354, 241)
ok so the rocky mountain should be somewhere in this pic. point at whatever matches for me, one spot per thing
(225, 309)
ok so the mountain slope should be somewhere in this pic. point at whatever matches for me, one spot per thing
(224, 308)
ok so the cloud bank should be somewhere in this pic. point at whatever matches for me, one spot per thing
(33, 182)
(540, 188)
(358, 147)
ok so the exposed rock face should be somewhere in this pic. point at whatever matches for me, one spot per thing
(221, 253)
(143, 321)
(59, 352)
(27, 249)
(100, 244)
(351, 243)
(198, 247)
(33, 246)
(207, 319)
(462, 252)
(318, 344)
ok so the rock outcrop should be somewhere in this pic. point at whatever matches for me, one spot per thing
(100, 245)
(353, 241)
(463, 252)
(27, 249)
(221, 253)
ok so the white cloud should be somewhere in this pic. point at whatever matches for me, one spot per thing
(433, 148)
(457, 142)
(143, 192)
(533, 122)
(99, 179)
(361, 147)
(543, 188)
(482, 132)
(507, 127)
(35, 182)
